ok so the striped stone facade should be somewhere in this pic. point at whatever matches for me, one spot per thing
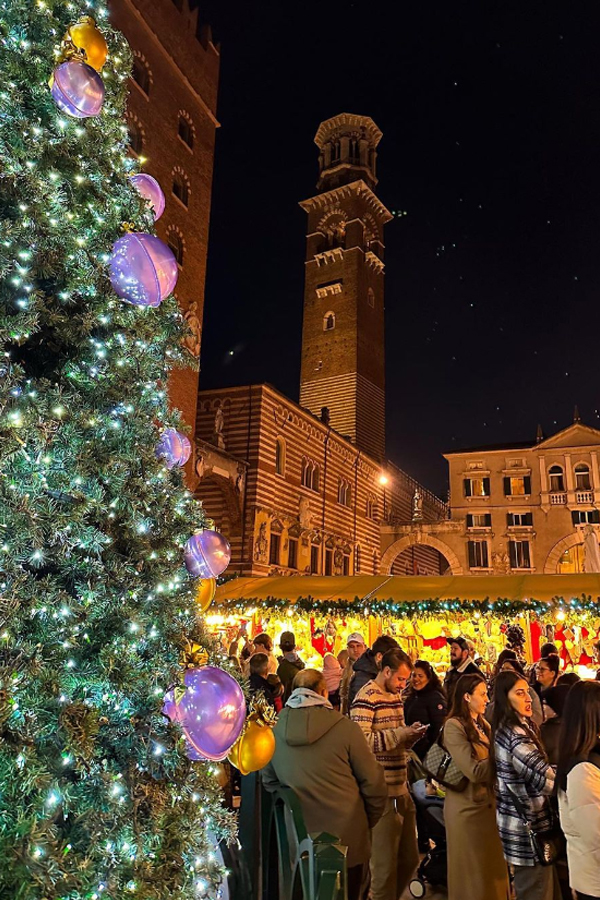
(291, 494)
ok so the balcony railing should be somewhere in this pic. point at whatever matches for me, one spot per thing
(584, 496)
(558, 499)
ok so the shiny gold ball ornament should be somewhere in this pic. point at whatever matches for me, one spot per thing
(88, 41)
(253, 749)
(205, 593)
(220, 773)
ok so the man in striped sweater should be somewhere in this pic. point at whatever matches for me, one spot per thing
(379, 711)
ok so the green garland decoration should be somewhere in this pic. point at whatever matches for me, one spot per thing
(430, 608)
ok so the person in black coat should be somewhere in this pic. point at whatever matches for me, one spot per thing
(366, 667)
(460, 664)
(426, 703)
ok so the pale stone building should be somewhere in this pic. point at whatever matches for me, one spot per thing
(522, 507)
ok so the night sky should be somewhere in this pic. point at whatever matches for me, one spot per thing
(491, 144)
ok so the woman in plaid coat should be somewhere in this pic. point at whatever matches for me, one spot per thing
(521, 764)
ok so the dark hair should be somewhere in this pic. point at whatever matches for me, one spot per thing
(504, 714)
(459, 708)
(553, 663)
(395, 658)
(547, 649)
(580, 728)
(507, 656)
(384, 643)
(259, 662)
(556, 697)
(433, 679)
(263, 639)
(569, 678)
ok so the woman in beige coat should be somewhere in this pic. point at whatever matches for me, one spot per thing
(476, 866)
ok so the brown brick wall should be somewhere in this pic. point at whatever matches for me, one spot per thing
(184, 77)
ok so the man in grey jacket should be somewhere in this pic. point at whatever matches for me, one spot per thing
(325, 759)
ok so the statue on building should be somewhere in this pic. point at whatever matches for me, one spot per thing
(239, 480)
(417, 514)
(219, 440)
(304, 514)
(261, 544)
(200, 466)
(591, 551)
(500, 561)
(338, 561)
(191, 341)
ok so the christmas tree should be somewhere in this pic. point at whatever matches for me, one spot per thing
(98, 798)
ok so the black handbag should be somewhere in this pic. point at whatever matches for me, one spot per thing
(548, 846)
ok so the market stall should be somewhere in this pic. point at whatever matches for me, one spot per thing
(493, 612)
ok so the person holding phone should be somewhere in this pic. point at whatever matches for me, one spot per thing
(379, 711)
(476, 866)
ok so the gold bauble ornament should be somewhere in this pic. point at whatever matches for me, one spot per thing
(253, 749)
(221, 775)
(85, 37)
(205, 593)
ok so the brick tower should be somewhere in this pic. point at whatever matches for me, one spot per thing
(343, 330)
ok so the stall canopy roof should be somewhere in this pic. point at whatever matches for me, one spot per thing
(409, 588)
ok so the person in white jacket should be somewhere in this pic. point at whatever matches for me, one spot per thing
(578, 783)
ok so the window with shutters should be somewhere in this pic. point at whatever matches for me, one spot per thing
(519, 554)
(582, 478)
(557, 479)
(314, 559)
(477, 487)
(517, 485)
(478, 555)
(586, 516)
(292, 553)
(479, 520)
(274, 548)
(519, 520)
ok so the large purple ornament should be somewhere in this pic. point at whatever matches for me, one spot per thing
(207, 554)
(174, 447)
(149, 188)
(211, 712)
(143, 270)
(77, 89)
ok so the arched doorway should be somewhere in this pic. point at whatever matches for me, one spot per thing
(422, 556)
(566, 557)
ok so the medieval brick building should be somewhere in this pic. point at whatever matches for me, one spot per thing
(304, 488)
(172, 121)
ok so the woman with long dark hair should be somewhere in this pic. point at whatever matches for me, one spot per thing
(425, 702)
(521, 769)
(476, 867)
(578, 782)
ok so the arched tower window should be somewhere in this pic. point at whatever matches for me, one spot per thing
(135, 140)
(176, 243)
(310, 474)
(329, 321)
(185, 129)
(280, 456)
(181, 185)
(141, 73)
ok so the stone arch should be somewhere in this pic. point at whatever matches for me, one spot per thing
(551, 564)
(404, 543)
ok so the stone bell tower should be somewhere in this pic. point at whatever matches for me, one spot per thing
(343, 329)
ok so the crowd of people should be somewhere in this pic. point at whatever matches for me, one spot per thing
(520, 802)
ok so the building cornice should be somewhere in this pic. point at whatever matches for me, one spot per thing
(348, 191)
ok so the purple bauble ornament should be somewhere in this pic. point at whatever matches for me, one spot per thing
(174, 447)
(211, 712)
(143, 270)
(149, 188)
(207, 554)
(77, 89)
